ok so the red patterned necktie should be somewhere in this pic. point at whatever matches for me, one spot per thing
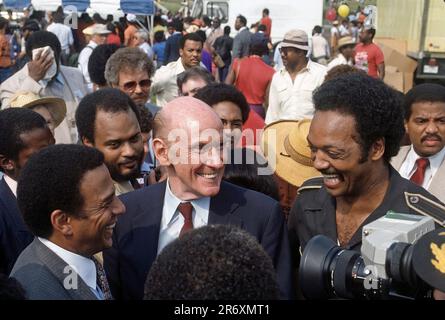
(419, 174)
(186, 209)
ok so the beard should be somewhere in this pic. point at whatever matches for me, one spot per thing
(116, 174)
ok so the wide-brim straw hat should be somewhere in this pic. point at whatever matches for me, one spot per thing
(96, 28)
(344, 41)
(285, 142)
(55, 105)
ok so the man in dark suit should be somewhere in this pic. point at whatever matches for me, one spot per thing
(188, 142)
(171, 52)
(241, 42)
(67, 199)
(23, 132)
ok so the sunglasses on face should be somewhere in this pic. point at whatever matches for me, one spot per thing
(131, 86)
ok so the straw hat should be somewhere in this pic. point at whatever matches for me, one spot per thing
(344, 41)
(96, 28)
(290, 149)
(56, 106)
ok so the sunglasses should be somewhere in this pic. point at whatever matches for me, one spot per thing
(131, 86)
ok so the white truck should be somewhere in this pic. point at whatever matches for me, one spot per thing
(285, 14)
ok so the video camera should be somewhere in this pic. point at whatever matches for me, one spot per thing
(390, 266)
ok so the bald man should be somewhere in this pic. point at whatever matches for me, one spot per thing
(188, 142)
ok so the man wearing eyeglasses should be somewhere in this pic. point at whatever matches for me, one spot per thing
(164, 85)
(290, 95)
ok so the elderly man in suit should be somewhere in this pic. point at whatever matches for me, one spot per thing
(23, 132)
(188, 142)
(67, 199)
(45, 76)
(423, 161)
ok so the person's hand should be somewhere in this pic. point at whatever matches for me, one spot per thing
(38, 67)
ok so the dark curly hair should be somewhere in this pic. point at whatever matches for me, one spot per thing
(51, 180)
(13, 123)
(376, 108)
(218, 92)
(97, 61)
(215, 262)
(426, 92)
(108, 100)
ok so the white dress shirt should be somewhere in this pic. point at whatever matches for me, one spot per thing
(147, 49)
(172, 220)
(84, 267)
(293, 100)
(12, 184)
(164, 82)
(83, 59)
(339, 59)
(409, 166)
(64, 34)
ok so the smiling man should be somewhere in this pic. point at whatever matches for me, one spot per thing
(356, 129)
(422, 161)
(108, 120)
(188, 142)
(67, 199)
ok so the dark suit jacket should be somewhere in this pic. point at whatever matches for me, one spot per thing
(136, 235)
(14, 234)
(171, 52)
(241, 44)
(43, 275)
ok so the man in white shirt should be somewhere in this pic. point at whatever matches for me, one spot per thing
(72, 213)
(290, 95)
(319, 46)
(64, 34)
(164, 85)
(346, 47)
(98, 33)
(23, 132)
(141, 40)
(423, 161)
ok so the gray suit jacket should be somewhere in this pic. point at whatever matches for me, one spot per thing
(241, 44)
(72, 92)
(437, 185)
(43, 274)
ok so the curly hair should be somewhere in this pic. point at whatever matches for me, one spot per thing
(426, 92)
(342, 69)
(108, 100)
(127, 59)
(376, 108)
(218, 92)
(215, 262)
(97, 61)
(13, 123)
(51, 180)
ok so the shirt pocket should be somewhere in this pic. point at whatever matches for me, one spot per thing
(284, 93)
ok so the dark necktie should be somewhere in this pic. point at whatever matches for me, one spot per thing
(101, 280)
(419, 174)
(186, 209)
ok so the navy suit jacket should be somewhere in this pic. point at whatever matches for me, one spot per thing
(14, 235)
(136, 235)
(171, 51)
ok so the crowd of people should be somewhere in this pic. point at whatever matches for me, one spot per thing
(182, 163)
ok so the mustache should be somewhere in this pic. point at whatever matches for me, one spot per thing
(430, 136)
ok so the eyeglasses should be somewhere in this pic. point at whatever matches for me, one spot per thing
(131, 86)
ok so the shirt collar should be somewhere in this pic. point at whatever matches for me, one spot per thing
(83, 266)
(12, 184)
(201, 205)
(242, 28)
(58, 80)
(435, 160)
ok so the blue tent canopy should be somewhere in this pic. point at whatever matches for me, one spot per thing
(139, 7)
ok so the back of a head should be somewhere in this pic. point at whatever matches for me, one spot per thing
(215, 262)
(51, 181)
(218, 92)
(342, 69)
(159, 36)
(40, 39)
(13, 123)
(376, 108)
(97, 62)
(196, 72)
(426, 92)
(244, 170)
(108, 100)
(227, 30)
(3, 23)
(317, 29)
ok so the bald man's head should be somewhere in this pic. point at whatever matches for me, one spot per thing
(180, 112)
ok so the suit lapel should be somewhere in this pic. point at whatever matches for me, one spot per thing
(222, 211)
(397, 161)
(58, 268)
(437, 184)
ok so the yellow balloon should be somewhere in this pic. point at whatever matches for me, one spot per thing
(343, 11)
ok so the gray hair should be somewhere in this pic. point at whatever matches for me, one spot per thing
(143, 34)
(127, 58)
